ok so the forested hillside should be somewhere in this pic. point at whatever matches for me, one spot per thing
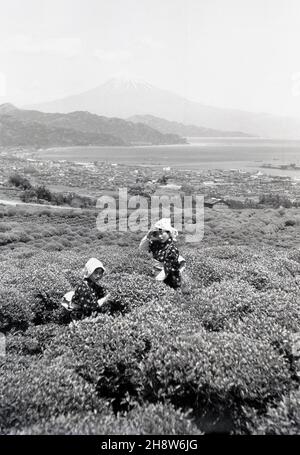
(19, 127)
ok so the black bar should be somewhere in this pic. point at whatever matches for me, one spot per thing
(135, 444)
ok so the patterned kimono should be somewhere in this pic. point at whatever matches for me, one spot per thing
(168, 255)
(85, 299)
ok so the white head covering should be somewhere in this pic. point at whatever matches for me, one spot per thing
(165, 225)
(91, 265)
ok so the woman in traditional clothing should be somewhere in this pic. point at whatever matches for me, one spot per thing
(160, 241)
(89, 295)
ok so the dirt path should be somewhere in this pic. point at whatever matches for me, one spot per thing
(15, 203)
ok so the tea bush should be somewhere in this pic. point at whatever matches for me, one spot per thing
(108, 353)
(34, 341)
(283, 307)
(144, 419)
(130, 261)
(159, 418)
(42, 283)
(280, 419)
(222, 302)
(15, 312)
(222, 370)
(41, 391)
(202, 270)
(128, 291)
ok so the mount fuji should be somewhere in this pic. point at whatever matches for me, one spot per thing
(125, 98)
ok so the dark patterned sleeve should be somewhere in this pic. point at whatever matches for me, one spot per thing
(101, 292)
(171, 260)
(83, 301)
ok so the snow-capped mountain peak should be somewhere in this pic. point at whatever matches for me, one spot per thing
(124, 83)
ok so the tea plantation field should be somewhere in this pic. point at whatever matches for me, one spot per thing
(219, 355)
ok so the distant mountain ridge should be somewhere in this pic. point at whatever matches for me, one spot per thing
(6, 108)
(17, 133)
(123, 99)
(34, 128)
(166, 126)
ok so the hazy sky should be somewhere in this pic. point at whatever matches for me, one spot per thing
(228, 53)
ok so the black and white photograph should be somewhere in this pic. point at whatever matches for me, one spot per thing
(149, 221)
